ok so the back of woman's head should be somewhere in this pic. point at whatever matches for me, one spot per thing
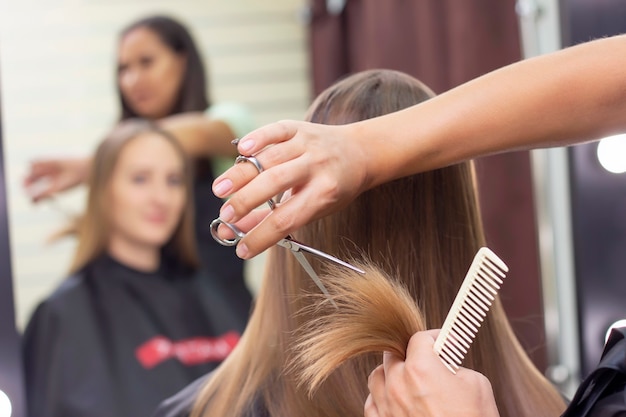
(94, 227)
(424, 230)
(193, 89)
(264, 350)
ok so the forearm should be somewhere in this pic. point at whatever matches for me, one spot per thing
(199, 135)
(574, 95)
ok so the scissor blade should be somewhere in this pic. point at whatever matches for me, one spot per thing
(300, 246)
(309, 270)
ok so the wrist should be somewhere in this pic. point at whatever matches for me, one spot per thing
(386, 156)
(366, 151)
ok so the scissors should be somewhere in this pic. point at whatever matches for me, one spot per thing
(288, 242)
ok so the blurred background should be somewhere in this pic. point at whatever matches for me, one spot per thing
(58, 94)
(556, 217)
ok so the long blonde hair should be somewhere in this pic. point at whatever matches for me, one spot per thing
(93, 227)
(424, 230)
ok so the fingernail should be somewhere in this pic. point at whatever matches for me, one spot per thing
(246, 145)
(227, 213)
(242, 251)
(235, 141)
(223, 187)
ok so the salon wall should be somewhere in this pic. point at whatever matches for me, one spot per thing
(58, 95)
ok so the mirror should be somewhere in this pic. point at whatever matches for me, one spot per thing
(58, 98)
(58, 78)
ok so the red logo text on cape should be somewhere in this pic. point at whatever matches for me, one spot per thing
(192, 351)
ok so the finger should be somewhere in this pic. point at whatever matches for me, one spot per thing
(264, 186)
(370, 408)
(299, 210)
(42, 195)
(242, 173)
(233, 179)
(421, 345)
(476, 379)
(40, 190)
(376, 383)
(391, 361)
(273, 133)
(30, 178)
(37, 172)
(245, 224)
(51, 190)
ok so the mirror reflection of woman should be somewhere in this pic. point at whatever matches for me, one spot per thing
(136, 320)
(160, 77)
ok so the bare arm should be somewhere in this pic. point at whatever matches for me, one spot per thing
(574, 95)
(201, 136)
(570, 96)
(47, 177)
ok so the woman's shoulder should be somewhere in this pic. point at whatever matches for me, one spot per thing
(69, 290)
(53, 314)
(180, 404)
(71, 295)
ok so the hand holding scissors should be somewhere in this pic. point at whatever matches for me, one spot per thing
(288, 242)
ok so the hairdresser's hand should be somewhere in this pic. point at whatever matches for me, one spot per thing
(323, 166)
(47, 177)
(422, 386)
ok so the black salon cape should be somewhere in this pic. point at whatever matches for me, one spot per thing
(603, 392)
(81, 346)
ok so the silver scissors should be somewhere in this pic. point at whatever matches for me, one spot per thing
(288, 242)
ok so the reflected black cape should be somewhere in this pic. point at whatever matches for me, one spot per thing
(115, 342)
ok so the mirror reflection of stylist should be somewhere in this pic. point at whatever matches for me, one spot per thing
(160, 76)
(136, 320)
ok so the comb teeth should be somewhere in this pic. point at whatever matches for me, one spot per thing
(479, 288)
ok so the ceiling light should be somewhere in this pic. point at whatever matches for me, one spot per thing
(612, 153)
(5, 405)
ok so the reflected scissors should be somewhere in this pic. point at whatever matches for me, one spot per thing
(288, 242)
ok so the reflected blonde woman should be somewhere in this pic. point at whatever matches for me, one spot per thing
(137, 319)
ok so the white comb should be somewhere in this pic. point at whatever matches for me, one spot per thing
(470, 307)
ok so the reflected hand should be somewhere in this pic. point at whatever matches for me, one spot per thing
(322, 166)
(47, 177)
(422, 386)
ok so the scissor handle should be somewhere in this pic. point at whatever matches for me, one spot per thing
(215, 224)
(259, 167)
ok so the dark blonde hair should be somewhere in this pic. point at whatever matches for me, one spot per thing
(92, 227)
(424, 230)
